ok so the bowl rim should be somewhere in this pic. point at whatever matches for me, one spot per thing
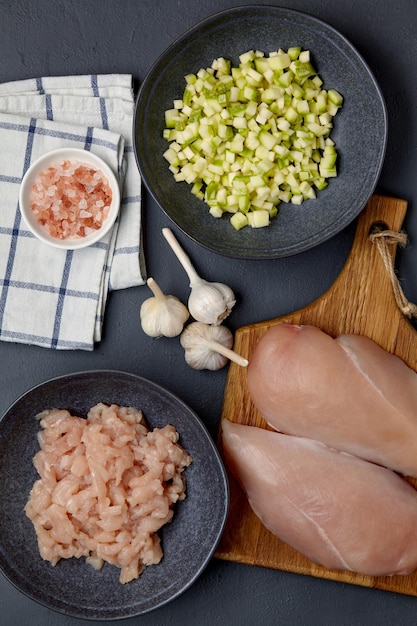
(264, 253)
(49, 158)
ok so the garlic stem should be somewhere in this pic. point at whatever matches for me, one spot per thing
(155, 288)
(216, 346)
(182, 257)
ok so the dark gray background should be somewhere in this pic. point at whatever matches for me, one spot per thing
(59, 37)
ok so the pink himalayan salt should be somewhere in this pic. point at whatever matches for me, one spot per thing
(71, 199)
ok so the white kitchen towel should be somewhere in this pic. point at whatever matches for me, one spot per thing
(49, 297)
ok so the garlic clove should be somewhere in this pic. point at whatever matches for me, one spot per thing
(209, 347)
(229, 298)
(199, 358)
(162, 319)
(210, 303)
(148, 319)
(162, 315)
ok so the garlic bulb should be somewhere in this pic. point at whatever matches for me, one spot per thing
(209, 302)
(209, 347)
(161, 315)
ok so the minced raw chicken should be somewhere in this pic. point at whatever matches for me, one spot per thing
(71, 199)
(107, 485)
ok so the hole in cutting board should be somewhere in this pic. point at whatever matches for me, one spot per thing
(377, 227)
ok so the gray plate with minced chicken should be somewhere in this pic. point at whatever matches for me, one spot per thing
(154, 441)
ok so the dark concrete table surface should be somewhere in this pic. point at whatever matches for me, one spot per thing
(62, 37)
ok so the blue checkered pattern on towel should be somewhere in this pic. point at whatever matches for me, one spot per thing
(49, 297)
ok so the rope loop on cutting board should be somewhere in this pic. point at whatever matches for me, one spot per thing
(383, 239)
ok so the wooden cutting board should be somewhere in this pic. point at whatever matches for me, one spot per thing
(360, 301)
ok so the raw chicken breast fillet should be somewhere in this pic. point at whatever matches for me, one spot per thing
(348, 393)
(338, 510)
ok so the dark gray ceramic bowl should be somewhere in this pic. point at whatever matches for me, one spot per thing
(360, 130)
(72, 587)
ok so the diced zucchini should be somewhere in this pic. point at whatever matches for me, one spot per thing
(294, 52)
(335, 97)
(279, 61)
(249, 137)
(259, 219)
(238, 221)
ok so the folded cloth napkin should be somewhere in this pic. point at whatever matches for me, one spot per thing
(50, 297)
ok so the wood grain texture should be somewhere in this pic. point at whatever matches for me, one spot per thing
(360, 301)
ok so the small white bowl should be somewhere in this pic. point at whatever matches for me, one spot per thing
(53, 158)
